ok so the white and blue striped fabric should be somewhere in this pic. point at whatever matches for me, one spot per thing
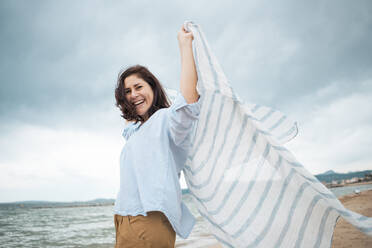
(249, 188)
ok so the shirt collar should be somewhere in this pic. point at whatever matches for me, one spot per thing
(129, 129)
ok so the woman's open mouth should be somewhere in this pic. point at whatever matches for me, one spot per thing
(139, 103)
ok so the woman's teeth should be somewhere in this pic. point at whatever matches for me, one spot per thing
(138, 103)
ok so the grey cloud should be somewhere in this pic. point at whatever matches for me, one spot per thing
(330, 42)
(60, 59)
(58, 56)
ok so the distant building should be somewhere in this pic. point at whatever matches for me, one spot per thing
(354, 180)
(368, 177)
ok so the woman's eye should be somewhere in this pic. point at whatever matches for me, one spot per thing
(139, 87)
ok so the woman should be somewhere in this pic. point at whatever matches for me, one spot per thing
(149, 210)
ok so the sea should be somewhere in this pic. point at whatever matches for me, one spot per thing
(90, 226)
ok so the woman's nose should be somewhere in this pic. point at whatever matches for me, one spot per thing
(134, 94)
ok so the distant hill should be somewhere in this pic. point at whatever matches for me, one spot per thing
(330, 175)
(330, 172)
(50, 204)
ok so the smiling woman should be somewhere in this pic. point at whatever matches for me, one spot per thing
(139, 93)
(148, 209)
(137, 83)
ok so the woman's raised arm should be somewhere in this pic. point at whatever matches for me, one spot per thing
(189, 76)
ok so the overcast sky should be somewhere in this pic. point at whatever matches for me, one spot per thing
(60, 132)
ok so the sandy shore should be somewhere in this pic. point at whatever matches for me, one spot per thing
(345, 234)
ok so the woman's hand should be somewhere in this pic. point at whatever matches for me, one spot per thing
(184, 38)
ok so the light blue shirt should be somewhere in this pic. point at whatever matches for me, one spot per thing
(151, 161)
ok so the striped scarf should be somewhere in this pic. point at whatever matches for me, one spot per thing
(251, 189)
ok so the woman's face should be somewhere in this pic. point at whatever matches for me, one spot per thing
(139, 93)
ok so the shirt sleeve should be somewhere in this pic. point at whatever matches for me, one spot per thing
(182, 117)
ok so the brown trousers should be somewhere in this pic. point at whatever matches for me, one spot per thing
(153, 230)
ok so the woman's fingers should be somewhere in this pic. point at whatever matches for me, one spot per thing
(184, 37)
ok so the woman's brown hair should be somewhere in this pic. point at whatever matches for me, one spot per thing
(127, 109)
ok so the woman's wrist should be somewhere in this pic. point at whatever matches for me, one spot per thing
(185, 48)
(185, 45)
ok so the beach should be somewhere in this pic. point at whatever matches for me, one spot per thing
(345, 234)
